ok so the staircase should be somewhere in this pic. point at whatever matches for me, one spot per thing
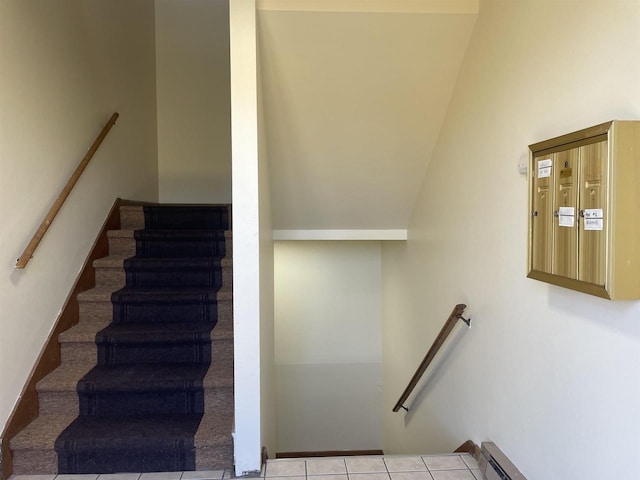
(146, 378)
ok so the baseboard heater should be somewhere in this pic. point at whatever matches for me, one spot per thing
(495, 465)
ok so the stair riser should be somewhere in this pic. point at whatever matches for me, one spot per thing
(181, 249)
(219, 400)
(124, 313)
(111, 460)
(110, 277)
(122, 247)
(218, 455)
(128, 354)
(131, 218)
(99, 311)
(142, 403)
(59, 403)
(168, 218)
(123, 354)
(34, 462)
(82, 353)
(190, 278)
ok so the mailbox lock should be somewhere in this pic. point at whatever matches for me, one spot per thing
(535, 213)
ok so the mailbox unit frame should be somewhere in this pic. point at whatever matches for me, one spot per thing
(605, 262)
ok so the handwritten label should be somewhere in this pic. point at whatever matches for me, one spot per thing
(566, 216)
(544, 168)
(593, 219)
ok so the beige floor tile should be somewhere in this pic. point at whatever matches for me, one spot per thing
(285, 468)
(365, 465)
(119, 476)
(342, 476)
(203, 475)
(85, 476)
(287, 478)
(160, 476)
(326, 466)
(444, 462)
(32, 477)
(452, 475)
(369, 476)
(471, 462)
(405, 464)
(411, 476)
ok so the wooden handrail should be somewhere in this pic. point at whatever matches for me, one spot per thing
(456, 314)
(55, 208)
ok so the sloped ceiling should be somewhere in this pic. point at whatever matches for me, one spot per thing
(353, 102)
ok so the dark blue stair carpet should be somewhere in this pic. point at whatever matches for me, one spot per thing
(185, 217)
(140, 407)
(161, 443)
(142, 343)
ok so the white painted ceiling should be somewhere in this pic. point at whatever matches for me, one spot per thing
(352, 103)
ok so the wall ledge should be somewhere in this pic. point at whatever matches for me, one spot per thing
(373, 6)
(381, 234)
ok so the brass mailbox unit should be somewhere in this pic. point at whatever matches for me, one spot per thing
(584, 206)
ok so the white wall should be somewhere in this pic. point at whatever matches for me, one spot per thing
(547, 373)
(66, 67)
(252, 251)
(328, 346)
(192, 59)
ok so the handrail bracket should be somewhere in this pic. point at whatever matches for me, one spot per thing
(465, 320)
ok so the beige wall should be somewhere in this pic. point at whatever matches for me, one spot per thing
(66, 67)
(194, 136)
(549, 374)
(328, 345)
(353, 106)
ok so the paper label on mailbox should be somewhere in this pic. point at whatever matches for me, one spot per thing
(544, 168)
(566, 216)
(593, 219)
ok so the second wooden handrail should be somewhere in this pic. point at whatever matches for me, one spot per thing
(55, 208)
(456, 315)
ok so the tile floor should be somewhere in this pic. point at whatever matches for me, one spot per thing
(388, 467)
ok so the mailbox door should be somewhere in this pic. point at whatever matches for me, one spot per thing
(565, 225)
(542, 213)
(593, 213)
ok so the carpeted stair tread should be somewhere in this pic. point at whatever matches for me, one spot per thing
(175, 332)
(63, 379)
(99, 293)
(117, 261)
(143, 377)
(82, 332)
(112, 261)
(41, 434)
(168, 294)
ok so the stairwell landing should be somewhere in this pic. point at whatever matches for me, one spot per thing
(146, 378)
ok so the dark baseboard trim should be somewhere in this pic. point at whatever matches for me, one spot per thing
(469, 447)
(329, 453)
